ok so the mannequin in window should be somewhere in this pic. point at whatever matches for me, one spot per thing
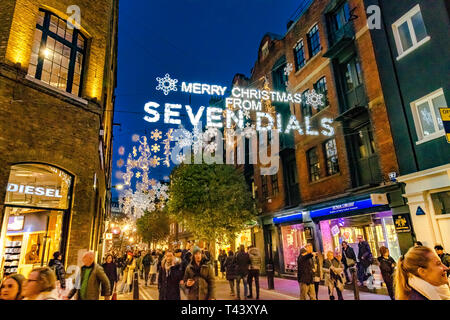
(32, 257)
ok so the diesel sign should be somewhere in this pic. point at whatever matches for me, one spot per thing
(38, 191)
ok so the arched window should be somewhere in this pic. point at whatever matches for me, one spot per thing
(58, 53)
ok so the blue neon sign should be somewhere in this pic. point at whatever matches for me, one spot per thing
(291, 217)
(345, 207)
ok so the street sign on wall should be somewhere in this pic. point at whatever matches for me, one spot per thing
(445, 115)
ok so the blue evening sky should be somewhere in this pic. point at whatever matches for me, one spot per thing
(205, 41)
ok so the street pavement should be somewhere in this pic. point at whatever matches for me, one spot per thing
(285, 289)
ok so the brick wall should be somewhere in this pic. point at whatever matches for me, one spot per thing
(303, 79)
(42, 125)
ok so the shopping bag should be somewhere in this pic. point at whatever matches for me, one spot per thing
(114, 291)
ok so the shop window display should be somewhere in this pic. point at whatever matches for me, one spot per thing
(294, 239)
(377, 229)
(37, 199)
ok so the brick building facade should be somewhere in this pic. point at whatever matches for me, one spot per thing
(56, 116)
(326, 189)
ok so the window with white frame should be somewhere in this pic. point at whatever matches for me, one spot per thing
(410, 32)
(427, 117)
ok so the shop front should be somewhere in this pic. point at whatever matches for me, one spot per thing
(36, 217)
(244, 238)
(293, 236)
(346, 221)
(428, 194)
(377, 223)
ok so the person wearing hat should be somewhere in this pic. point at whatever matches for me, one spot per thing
(199, 278)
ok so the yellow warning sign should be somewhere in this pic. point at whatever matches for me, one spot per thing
(445, 114)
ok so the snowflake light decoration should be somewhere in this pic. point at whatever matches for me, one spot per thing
(211, 147)
(210, 133)
(288, 69)
(155, 161)
(314, 99)
(166, 143)
(249, 131)
(156, 135)
(156, 148)
(246, 114)
(183, 138)
(161, 191)
(166, 84)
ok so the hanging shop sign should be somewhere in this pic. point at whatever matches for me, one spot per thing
(237, 107)
(335, 230)
(401, 223)
(445, 116)
(309, 233)
(345, 207)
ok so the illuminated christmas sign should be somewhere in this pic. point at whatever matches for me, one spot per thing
(237, 107)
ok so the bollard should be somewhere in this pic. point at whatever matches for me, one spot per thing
(216, 268)
(270, 276)
(355, 283)
(136, 286)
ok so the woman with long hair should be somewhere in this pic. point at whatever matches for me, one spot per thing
(11, 287)
(421, 275)
(387, 268)
(110, 268)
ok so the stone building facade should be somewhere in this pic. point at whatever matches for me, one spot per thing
(57, 81)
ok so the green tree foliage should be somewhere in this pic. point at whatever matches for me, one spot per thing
(153, 226)
(212, 200)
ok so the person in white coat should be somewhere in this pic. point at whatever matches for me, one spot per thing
(333, 270)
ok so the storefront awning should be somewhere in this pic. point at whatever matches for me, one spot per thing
(288, 217)
(343, 208)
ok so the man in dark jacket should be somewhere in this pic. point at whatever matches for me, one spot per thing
(169, 277)
(445, 257)
(348, 259)
(365, 258)
(146, 262)
(305, 273)
(199, 278)
(230, 271)
(242, 262)
(56, 265)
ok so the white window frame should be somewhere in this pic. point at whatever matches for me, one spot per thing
(429, 99)
(407, 18)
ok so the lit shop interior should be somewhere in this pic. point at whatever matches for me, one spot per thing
(245, 238)
(294, 238)
(36, 209)
(378, 230)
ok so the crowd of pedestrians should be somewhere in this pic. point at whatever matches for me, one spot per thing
(421, 274)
